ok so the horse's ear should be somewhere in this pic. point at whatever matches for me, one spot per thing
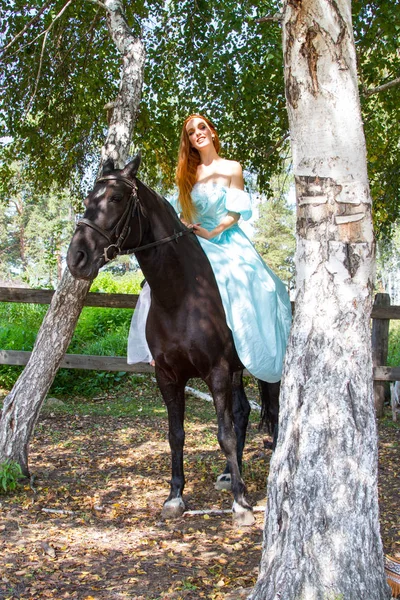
(132, 167)
(108, 166)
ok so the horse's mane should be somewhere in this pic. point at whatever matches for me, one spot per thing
(167, 205)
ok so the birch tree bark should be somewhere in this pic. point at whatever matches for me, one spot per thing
(321, 538)
(22, 406)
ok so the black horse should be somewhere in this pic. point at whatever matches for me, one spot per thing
(186, 326)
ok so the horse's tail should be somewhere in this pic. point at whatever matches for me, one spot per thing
(269, 393)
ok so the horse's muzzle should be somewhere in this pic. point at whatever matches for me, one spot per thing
(81, 265)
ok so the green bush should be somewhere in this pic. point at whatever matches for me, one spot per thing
(10, 473)
(19, 325)
(394, 344)
(129, 283)
(105, 329)
(99, 331)
(76, 382)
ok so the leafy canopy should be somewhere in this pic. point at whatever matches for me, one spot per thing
(208, 57)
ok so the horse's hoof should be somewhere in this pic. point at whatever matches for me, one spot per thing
(223, 482)
(241, 516)
(173, 509)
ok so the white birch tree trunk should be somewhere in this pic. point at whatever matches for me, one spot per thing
(22, 406)
(321, 538)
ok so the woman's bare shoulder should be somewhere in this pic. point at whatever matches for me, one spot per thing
(232, 167)
(234, 171)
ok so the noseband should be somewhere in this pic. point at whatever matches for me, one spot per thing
(133, 206)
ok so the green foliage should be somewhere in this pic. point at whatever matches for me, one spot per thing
(113, 395)
(76, 382)
(100, 331)
(10, 473)
(55, 128)
(274, 238)
(128, 283)
(215, 58)
(35, 231)
(394, 344)
(388, 264)
(209, 57)
(376, 32)
(19, 325)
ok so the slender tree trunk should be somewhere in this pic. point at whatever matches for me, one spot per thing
(22, 405)
(19, 205)
(321, 538)
(59, 260)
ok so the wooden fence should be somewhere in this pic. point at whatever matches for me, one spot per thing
(381, 315)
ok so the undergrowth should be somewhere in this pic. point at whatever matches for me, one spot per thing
(99, 331)
(137, 395)
(10, 473)
(394, 344)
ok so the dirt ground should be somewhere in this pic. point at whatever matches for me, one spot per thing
(87, 526)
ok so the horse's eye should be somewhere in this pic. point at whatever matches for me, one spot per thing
(115, 198)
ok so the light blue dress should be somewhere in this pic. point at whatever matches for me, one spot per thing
(255, 300)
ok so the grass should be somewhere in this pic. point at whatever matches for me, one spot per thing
(99, 331)
(394, 344)
(139, 396)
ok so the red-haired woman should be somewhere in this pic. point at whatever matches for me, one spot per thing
(212, 199)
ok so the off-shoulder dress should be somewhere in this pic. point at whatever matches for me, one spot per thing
(255, 300)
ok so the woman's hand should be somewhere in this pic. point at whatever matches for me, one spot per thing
(202, 232)
(230, 219)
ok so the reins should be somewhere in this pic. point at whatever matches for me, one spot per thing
(131, 209)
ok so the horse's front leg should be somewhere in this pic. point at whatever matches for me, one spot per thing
(241, 412)
(174, 397)
(220, 385)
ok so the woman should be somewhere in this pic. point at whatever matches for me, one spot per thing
(256, 302)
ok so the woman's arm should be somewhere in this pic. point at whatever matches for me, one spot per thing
(237, 181)
(230, 219)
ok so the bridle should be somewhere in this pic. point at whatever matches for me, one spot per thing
(133, 207)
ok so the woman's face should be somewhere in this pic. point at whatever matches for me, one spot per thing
(199, 133)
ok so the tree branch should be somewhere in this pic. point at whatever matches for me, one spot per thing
(38, 75)
(277, 17)
(381, 88)
(91, 35)
(31, 22)
(4, 250)
(276, 145)
(46, 31)
(98, 3)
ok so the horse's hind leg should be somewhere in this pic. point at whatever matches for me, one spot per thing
(174, 398)
(269, 393)
(220, 385)
(241, 412)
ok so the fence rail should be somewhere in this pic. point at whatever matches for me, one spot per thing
(381, 314)
(30, 296)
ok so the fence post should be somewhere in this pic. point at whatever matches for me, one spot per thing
(380, 341)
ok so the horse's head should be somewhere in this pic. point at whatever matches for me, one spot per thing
(104, 226)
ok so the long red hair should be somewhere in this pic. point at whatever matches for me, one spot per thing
(186, 170)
